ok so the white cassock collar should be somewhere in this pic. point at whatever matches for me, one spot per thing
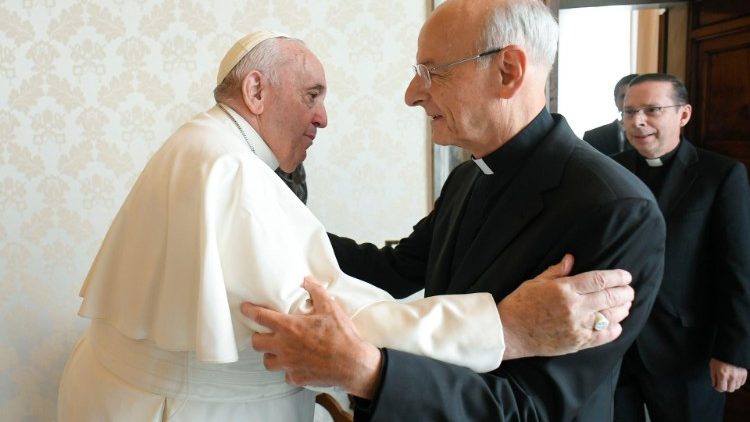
(258, 146)
(654, 162)
(482, 166)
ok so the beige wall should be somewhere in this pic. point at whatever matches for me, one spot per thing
(91, 88)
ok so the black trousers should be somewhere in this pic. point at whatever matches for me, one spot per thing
(684, 397)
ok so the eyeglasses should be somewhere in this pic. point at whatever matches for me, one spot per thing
(650, 111)
(425, 72)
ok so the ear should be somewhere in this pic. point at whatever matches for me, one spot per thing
(253, 91)
(687, 111)
(511, 66)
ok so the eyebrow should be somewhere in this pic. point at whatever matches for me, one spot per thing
(319, 87)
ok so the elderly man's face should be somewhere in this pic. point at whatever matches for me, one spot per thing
(457, 100)
(295, 110)
(652, 130)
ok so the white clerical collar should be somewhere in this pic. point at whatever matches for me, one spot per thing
(256, 143)
(654, 162)
(482, 166)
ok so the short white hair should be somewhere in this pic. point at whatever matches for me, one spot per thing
(266, 57)
(526, 23)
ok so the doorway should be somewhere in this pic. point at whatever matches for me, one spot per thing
(599, 45)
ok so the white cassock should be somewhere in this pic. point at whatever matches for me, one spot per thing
(207, 226)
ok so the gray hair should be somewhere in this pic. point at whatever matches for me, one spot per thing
(265, 57)
(526, 23)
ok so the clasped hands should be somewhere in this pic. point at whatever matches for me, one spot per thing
(552, 314)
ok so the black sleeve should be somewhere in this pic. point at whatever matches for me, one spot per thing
(730, 244)
(400, 271)
(626, 234)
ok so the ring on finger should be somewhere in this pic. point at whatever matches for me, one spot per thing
(600, 322)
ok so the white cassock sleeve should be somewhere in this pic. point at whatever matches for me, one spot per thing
(208, 226)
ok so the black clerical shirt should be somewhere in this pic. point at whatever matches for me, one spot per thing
(654, 177)
(505, 163)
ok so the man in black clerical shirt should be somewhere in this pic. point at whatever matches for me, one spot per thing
(696, 343)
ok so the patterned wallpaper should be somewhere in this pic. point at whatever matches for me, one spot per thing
(91, 88)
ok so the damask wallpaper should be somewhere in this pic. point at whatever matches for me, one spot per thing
(91, 88)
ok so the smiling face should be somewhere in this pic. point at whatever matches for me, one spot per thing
(294, 108)
(659, 133)
(458, 100)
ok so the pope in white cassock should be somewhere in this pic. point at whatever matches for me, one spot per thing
(208, 225)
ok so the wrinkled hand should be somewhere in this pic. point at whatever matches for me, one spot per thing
(726, 377)
(554, 315)
(321, 348)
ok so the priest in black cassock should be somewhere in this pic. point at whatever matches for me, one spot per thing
(696, 343)
(533, 192)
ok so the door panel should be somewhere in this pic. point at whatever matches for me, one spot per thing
(722, 115)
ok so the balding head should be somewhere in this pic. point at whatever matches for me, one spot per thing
(479, 102)
(266, 57)
(491, 23)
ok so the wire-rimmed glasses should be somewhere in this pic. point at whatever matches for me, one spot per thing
(649, 111)
(425, 73)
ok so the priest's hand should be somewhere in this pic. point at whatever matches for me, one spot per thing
(321, 348)
(725, 377)
(554, 315)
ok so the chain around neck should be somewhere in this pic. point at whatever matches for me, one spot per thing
(237, 124)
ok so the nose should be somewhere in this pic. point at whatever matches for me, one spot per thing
(640, 118)
(415, 92)
(320, 119)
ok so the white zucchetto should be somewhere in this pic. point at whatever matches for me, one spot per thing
(243, 46)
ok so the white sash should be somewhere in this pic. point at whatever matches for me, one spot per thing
(178, 375)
